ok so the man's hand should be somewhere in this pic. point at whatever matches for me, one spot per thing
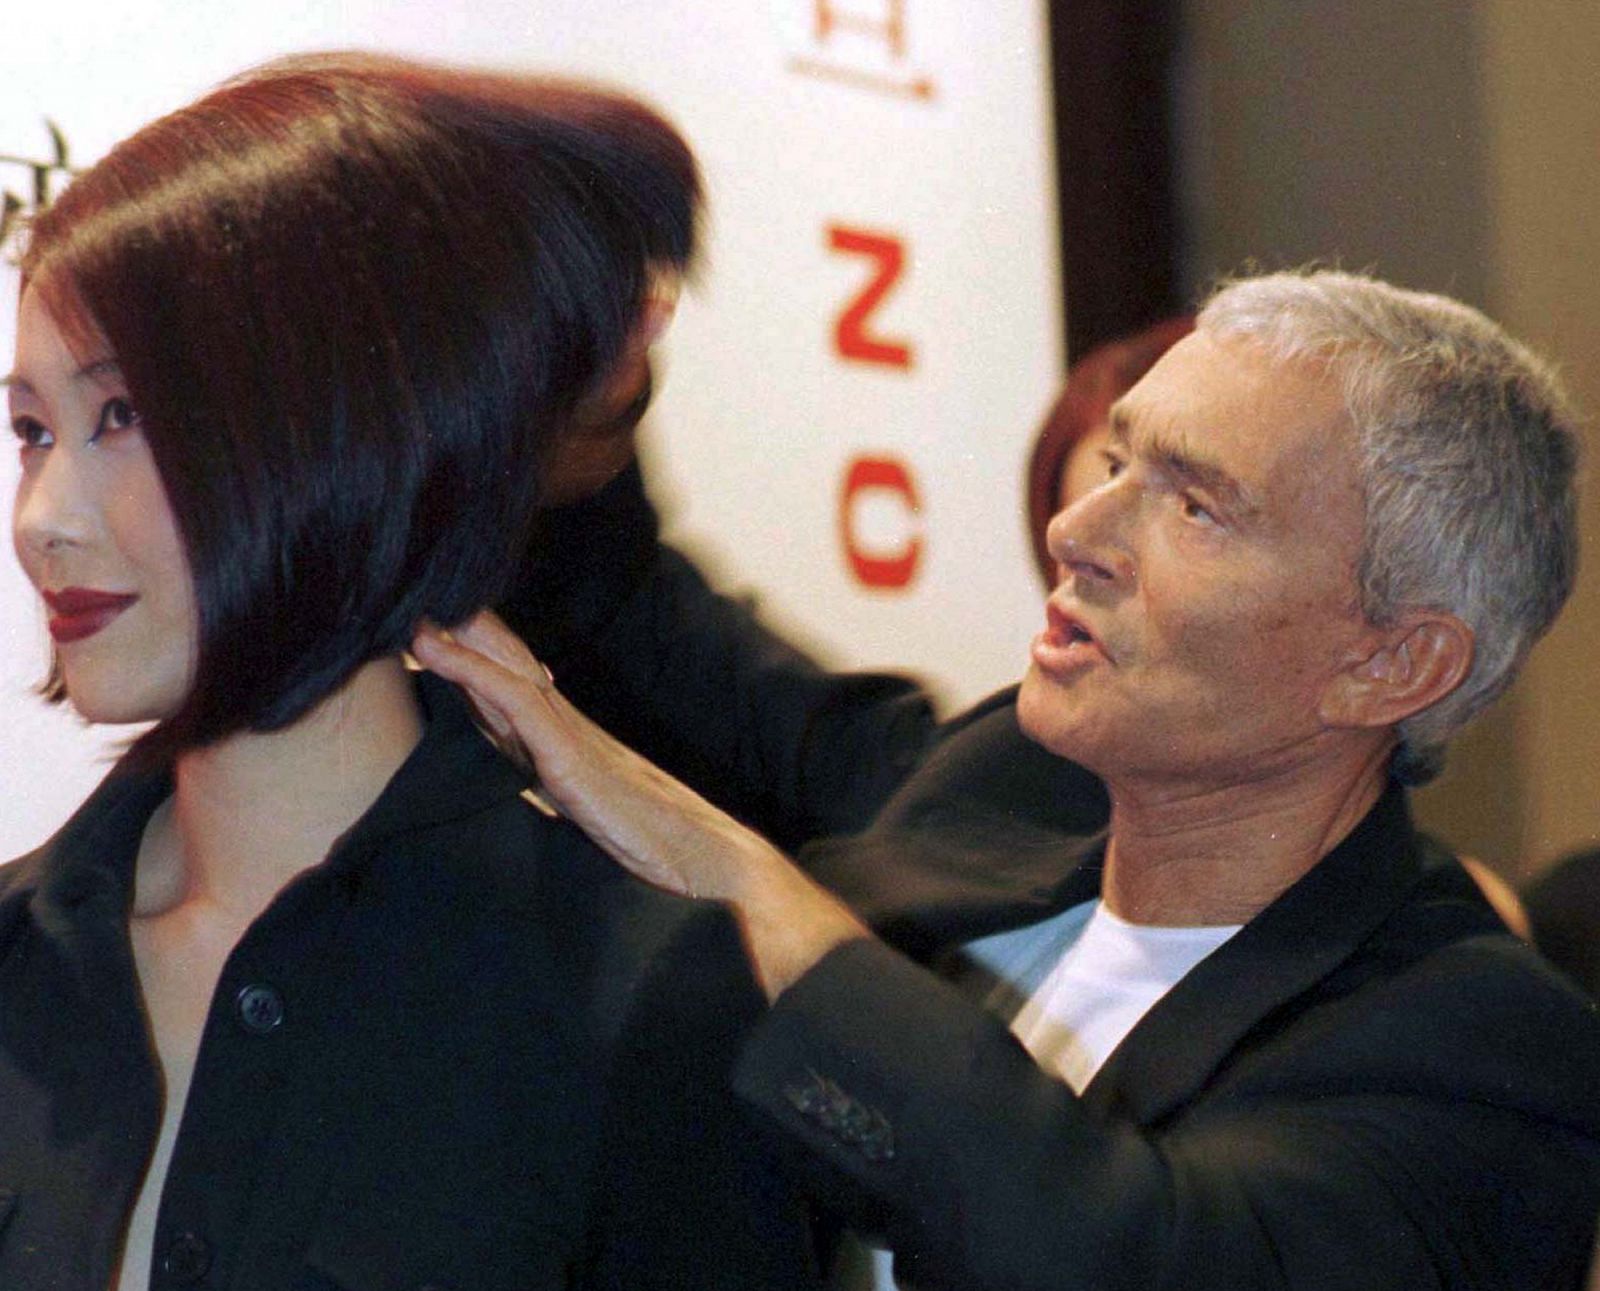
(653, 825)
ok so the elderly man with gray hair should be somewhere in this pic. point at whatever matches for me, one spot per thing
(1161, 987)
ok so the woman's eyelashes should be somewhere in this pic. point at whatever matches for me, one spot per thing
(30, 432)
(116, 413)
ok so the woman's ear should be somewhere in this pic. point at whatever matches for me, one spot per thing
(1404, 668)
(660, 304)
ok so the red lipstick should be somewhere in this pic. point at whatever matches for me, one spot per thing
(78, 612)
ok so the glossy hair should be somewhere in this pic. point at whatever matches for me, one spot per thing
(1467, 449)
(355, 300)
(1094, 383)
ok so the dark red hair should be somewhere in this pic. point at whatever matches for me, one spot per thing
(1094, 383)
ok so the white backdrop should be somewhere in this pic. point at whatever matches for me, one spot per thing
(838, 137)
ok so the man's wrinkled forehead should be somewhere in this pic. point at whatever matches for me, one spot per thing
(1186, 461)
(1224, 413)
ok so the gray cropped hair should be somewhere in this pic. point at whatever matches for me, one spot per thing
(1466, 453)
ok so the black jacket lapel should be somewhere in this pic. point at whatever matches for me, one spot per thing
(1285, 950)
(923, 892)
(993, 831)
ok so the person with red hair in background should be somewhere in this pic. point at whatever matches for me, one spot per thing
(1065, 462)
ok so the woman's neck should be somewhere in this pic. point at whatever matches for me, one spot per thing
(250, 812)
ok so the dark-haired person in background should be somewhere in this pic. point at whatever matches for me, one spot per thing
(307, 994)
(1562, 907)
(1257, 1033)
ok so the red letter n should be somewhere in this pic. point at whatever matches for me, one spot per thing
(851, 335)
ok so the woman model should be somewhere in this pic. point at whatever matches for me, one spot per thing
(308, 994)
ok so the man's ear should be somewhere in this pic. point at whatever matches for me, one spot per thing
(1406, 667)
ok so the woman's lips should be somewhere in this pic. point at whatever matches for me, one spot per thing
(78, 612)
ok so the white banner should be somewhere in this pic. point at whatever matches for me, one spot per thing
(849, 390)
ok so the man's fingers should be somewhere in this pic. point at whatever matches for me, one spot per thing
(578, 763)
(512, 691)
(485, 633)
(520, 688)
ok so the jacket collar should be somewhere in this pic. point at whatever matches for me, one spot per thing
(1293, 944)
(991, 832)
(994, 832)
(453, 772)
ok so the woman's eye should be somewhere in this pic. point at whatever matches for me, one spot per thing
(1196, 510)
(31, 433)
(116, 414)
(1113, 466)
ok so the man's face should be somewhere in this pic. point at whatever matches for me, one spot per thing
(1210, 591)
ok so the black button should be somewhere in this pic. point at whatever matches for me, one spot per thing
(187, 1258)
(260, 1009)
(840, 1113)
(878, 1143)
(854, 1122)
(808, 1099)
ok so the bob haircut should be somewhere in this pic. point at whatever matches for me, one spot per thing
(355, 300)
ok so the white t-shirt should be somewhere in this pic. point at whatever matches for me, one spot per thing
(1099, 989)
(1074, 986)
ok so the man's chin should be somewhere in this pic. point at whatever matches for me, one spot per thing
(1046, 714)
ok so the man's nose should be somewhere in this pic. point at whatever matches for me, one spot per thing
(1089, 538)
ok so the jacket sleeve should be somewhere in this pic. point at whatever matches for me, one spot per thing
(692, 679)
(688, 1195)
(919, 1117)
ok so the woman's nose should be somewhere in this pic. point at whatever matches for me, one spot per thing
(52, 509)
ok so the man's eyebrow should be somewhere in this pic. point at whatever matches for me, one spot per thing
(1187, 464)
(1183, 462)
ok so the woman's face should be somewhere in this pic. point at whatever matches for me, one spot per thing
(94, 532)
(1086, 466)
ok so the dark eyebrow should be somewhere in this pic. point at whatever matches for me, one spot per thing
(1189, 466)
(107, 367)
(1183, 462)
(93, 371)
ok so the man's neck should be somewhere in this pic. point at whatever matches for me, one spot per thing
(1195, 855)
(253, 810)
